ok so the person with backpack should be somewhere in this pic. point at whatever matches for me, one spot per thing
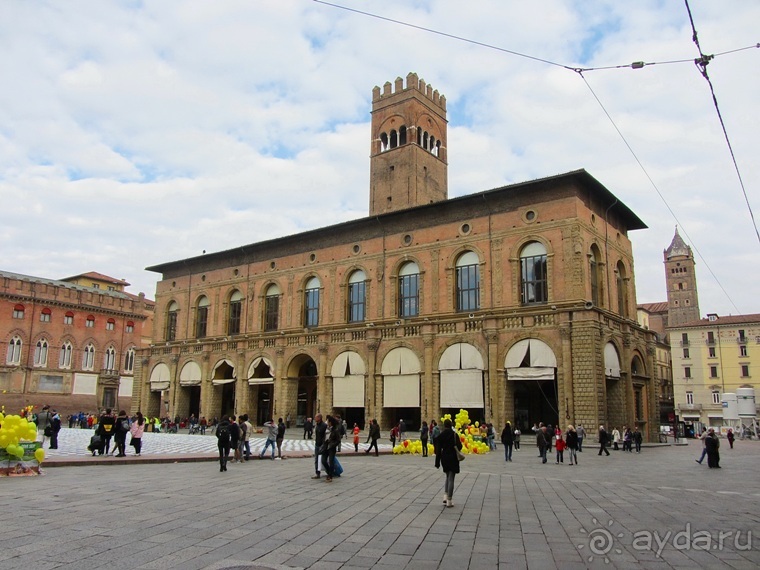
(106, 424)
(235, 436)
(120, 435)
(223, 441)
(55, 427)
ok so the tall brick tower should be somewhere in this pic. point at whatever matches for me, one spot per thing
(408, 156)
(681, 281)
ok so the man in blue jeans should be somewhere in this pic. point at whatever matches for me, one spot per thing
(704, 447)
(271, 437)
(581, 434)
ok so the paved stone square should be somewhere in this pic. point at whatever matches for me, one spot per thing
(658, 509)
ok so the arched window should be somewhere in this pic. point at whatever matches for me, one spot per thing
(595, 275)
(409, 290)
(68, 318)
(394, 139)
(129, 360)
(110, 324)
(171, 320)
(622, 289)
(402, 135)
(383, 142)
(45, 315)
(13, 356)
(64, 359)
(109, 358)
(130, 328)
(201, 317)
(468, 282)
(533, 278)
(311, 303)
(88, 357)
(40, 353)
(357, 300)
(272, 308)
(18, 311)
(90, 322)
(236, 310)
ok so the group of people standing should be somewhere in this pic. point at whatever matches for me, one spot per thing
(116, 428)
(631, 438)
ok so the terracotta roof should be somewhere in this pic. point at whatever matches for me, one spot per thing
(99, 277)
(752, 319)
(660, 307)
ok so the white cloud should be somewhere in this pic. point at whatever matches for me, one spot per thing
(136, 133)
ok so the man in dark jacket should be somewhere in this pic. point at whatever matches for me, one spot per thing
(373, 436)
(223, 441)
(121, 429)
(543, 442)
(106, 424)
(603, 440)
(320, 430)
(55, 427)
(508, 440)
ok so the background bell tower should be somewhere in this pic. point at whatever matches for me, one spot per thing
(681, 282)
(408, 156)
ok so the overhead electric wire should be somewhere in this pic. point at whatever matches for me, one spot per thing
(701, 64)
(702, 61)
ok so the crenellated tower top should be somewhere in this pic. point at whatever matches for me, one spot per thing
(408, 157)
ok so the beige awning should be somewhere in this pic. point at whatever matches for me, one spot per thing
(462, 389)
(159, 378)
(401, 391)
(220, 381)
(530, 359)
(348, 391)
(190, 374)
(611, 361)
(256, 381)
(159, 386)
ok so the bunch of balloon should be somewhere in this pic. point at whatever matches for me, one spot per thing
(13, 430)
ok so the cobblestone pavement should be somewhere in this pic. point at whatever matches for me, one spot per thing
(74, 442)
(657, 509)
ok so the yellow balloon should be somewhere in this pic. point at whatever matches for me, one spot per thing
(39, 455)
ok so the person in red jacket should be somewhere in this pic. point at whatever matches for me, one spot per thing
(559, 445)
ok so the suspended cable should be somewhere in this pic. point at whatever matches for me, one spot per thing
(701, 64)
(656, 189)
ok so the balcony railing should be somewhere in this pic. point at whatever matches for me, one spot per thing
(742, 339)
(684, 343)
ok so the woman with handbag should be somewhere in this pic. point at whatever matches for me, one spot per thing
(447, 454)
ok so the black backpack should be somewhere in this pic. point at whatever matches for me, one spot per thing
(223, 433)
(125, 425)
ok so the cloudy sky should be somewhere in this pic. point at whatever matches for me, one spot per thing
(138, 132)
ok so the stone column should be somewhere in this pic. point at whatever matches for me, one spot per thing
(324, 393)
(428, 340)
(370, 395)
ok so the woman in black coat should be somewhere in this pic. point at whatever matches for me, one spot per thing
(712, 444)
(446, 446)
(507, 439)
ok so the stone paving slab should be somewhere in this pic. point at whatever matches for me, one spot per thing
(386, 512)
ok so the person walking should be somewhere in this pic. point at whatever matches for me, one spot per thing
(435, 430)
(320, 432)
(559, 445)
(120, 436)
(581, 435)
(446, 445)
(394, 435)
(712, 444)
(541, 442)
(637, 439)
(627, 440)
(571, 442)
(280, 436)
(330, 447)
(491, 437)
(518, 433)
(356, 438)
(730, 437)
(308, 428)
(424, 431)
(223, 441)
(247, 438)
(507, 440)
(603, 440)
(704, 447)
(615, 438)
(374, 435)
(55, 427)
(235, 437)
(271, 437)
(137, 429)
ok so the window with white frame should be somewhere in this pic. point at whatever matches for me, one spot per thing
(13, 356)
(64, 358)
(130, 328)
(18, 312)
(468, 282)
(129, 360)
(357, 291)
(690, 397)
(110, 324)
(745, 370)
(311, 303)
(109, 358)
(90, 322)
(68, 318)
(41, 352)
(45, 315)
(716, 397)
(88, 357)
(409, 290)
(533, 274)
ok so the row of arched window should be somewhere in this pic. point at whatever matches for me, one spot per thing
(65, 355)
(533, 284)
(46, 315)
(395, 138)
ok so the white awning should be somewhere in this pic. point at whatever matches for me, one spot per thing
(400, 361)
(611, 361)
(714, 415)
(219, 381)
(530, 359)
(461, 356)
(348, 363)
(462, 389)
(255, 381)
(190, 374)
(255, 364)
(159, 378)
(691, 416)
(402, 390)
(348, 391)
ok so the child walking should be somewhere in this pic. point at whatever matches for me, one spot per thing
(560, 447)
